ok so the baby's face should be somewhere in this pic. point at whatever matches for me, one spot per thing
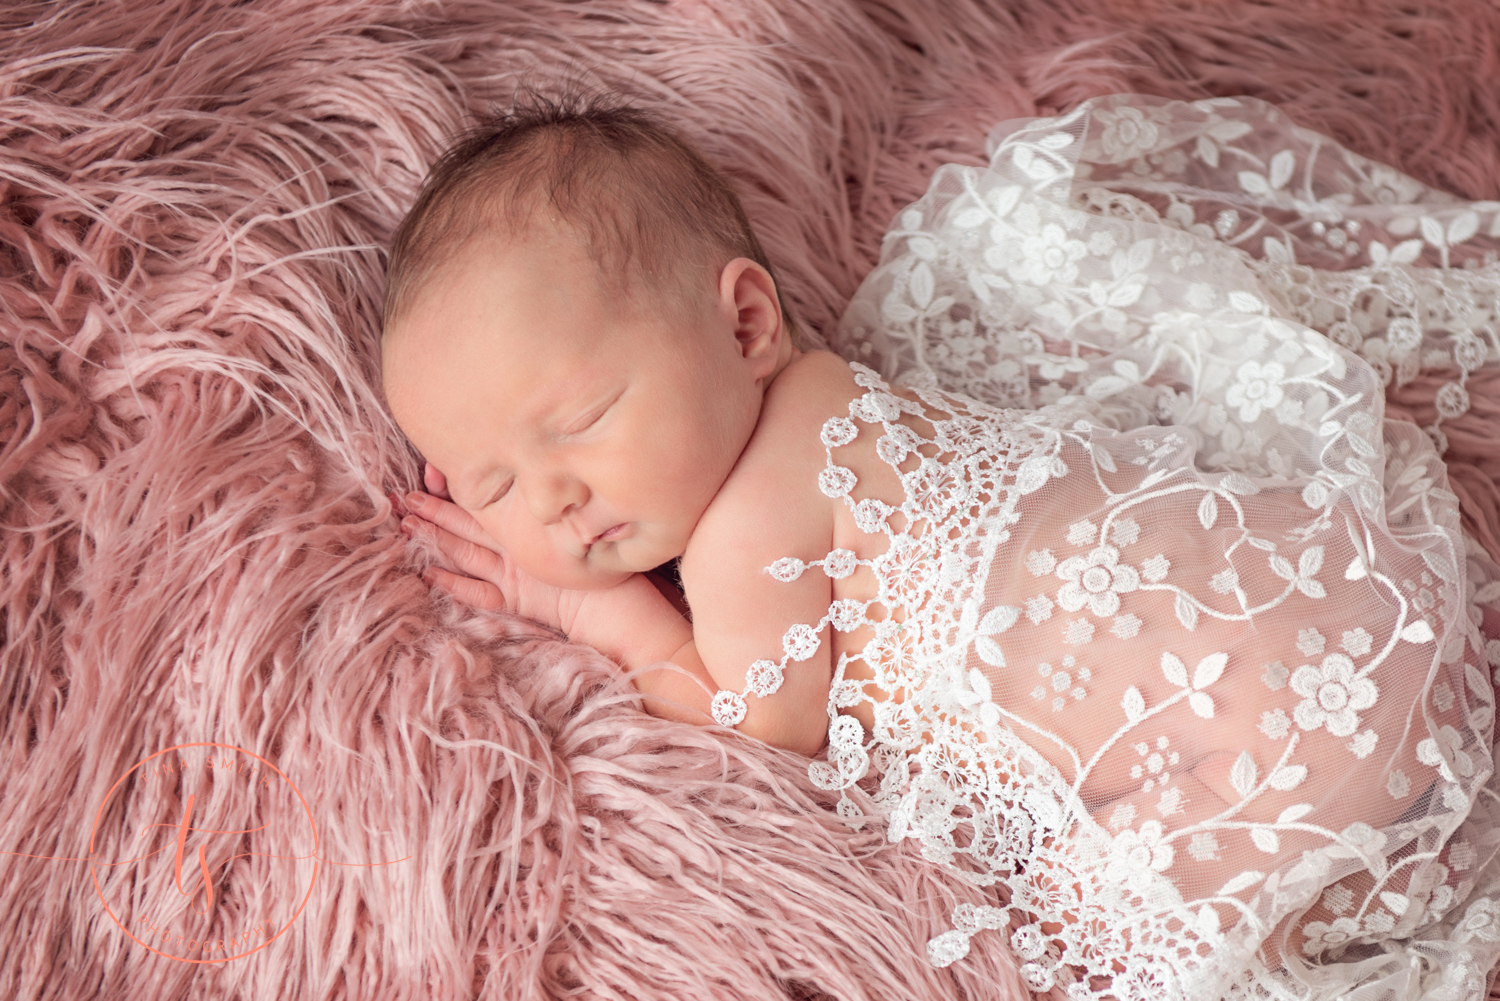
(586, 436)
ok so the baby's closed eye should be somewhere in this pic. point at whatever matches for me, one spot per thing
(588, 420)
(500, 493)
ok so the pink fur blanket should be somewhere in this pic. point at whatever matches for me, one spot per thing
(407, 799)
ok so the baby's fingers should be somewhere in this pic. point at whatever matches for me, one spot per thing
(451, 518)
(475, 593)
(464, 556)
(435, 482)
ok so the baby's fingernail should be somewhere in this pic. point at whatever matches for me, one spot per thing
(415, 500)
(408, 524)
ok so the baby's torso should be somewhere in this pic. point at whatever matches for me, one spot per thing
(1059, 574)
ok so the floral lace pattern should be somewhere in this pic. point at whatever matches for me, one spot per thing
(1182, 663)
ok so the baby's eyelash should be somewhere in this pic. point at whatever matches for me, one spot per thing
(590, 419)
(500, 494)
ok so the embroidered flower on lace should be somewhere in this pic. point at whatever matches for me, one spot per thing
(840, 563)
(1309, 642)
(1125, 531)
(838, 431)
(1048, 257)
(1387, 186)
(1204, 847)
(1127, 133)
(870, 514)
(933, 489)
(1040, 562)
(1337, 899)
(1363, 744)
(1322, 936)
(1257, 387)
(1154, 764)
(1078, 632)
(1454, 797)
(904, 572)
(1274, 675)
(728, 708)
(1357, 641)
(846, 615)
(836, 481)
(1082, 533)
(1452, 400)
(1404, 334)
(763, 678)
(1039, 609)
(1482, 921)
(787, 569)
(1224, 581)
(1155, 569)
(1275, 724)
(1051, 366)
(1446, 754)
(1331, 695)
(1096, 580)
(1135, 855)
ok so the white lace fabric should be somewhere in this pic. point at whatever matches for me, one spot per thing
(1181, 659)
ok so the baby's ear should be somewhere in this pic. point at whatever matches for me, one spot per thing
(748, 291)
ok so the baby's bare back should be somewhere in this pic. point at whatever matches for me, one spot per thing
(1177, 644)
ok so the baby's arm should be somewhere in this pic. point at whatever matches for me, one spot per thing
(634, 623)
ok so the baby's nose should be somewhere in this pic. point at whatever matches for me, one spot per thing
(550, 497)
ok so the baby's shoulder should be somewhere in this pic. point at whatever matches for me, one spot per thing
(785, 448)
(770, 506)
(807, 389)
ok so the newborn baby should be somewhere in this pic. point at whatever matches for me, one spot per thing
(1114, 662)
(590, 351)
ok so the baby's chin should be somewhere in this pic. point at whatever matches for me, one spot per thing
(578, 578)
(586, 576)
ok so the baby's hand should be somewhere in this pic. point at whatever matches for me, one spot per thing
(633, 623)
(486, 577)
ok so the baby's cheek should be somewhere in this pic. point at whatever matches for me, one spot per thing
(572, 574)
(534, 555)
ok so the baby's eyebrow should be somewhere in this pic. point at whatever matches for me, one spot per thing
(576, 403)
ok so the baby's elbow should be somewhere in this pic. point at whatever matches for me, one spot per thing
(805, 736)
(809, 741)
(806, 745)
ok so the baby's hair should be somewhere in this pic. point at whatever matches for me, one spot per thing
(649, 207)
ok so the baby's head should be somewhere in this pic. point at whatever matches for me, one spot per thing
(579, 329)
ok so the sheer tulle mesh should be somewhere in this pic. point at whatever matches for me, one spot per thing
(1182, 658)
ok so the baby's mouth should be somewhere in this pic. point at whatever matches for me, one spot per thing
(611, 534)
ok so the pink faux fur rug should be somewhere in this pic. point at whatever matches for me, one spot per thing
(194, 197)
